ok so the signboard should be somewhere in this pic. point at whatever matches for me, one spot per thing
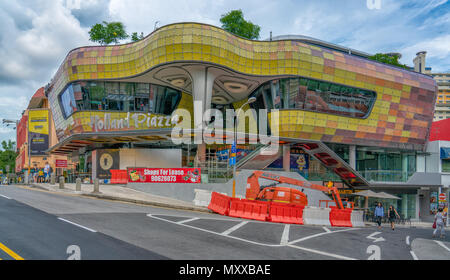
(233, 154)
(164, 175)
(38, 132)
(442, 198)
(107, 160)
(61, 163)
(433, 202)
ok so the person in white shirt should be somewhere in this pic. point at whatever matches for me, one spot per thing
(439, 218)
(47, 172)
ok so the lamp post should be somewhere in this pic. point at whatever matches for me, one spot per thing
(249, 101)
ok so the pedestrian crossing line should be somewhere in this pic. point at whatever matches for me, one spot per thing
(442, 245)
(236, 227)
(285, 236)
(187, 221)
(10, 252)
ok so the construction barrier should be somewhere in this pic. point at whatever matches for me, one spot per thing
(316, 216)
(286, 213)
(247, 209)
(202, 197)
(340, 217)
(219, 203)
(119, 177)
(357, 219)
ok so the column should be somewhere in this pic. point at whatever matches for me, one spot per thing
(287, 157)
(404, 168)
(94, 164)
(405, 205)
(202, 87)
(352, 156)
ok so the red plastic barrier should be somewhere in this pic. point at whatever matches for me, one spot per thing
(119, 177)
(341, 217)
(286, 213)
(220, 203)
(248, 209)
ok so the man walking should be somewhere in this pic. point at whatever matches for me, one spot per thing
(379, 214)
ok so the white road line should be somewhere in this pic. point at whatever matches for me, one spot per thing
(407, 240)
(414, 256)
(442, 245)
(187, 221)
(75, 224)
(285, 236)
(321, 253)
(5, 196)
(326, 229)
(262, 244)
(228, 231)
(320, 234)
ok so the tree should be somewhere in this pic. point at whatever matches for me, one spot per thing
(235, 23)
(388, 59)
(108, 32)
(8, 156)
(135, 37)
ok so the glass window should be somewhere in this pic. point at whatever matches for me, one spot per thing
(319, 96)
(115, 96)
(68, 101)
(445, 165)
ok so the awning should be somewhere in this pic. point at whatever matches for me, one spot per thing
(445, 153)
(388, 196)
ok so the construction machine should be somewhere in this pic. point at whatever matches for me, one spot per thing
(286, 195)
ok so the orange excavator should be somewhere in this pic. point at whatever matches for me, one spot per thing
(286, 195)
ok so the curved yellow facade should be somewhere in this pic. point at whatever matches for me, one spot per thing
(401, 115)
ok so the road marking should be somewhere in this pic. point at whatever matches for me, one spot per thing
(320, 234)
(321, 252)
(407, 240)
(262, 244)
(75, 224)
(285, 236)
(442, 245)
(375, 251)
(228, 231)
(414, 256)
(5, 196)
(10, 252)
(372, 236)
(187, 221)
(326, 229)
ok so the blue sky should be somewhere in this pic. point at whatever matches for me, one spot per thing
(36, 35)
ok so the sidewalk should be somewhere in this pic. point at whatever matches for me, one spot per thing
(406, 225)
(120, 193)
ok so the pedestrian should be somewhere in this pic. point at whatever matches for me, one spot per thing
(439, 220)
(392, 214)
(47, 172)
(379, 214)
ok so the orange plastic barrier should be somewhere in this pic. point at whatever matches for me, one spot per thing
(219, 203)
(247, 209)
(340, 217)
(119, 177)
(286, 213)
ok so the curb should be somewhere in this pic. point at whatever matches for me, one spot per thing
(129, 200)
(148, 203)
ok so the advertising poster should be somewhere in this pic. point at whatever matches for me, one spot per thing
(107, 160)
(433, 202)
(164, 175)
(38, 131)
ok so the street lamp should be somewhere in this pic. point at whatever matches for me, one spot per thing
(249, 101)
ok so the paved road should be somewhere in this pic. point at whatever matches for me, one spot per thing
(30, 226)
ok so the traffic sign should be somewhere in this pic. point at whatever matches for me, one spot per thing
(442, 197)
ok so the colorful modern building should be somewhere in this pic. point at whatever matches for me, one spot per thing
(35, 135)
(337, 115)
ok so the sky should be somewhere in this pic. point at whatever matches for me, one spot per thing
(36, 35)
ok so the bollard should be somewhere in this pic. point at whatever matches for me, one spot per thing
(78, 185)
(52, 179)
(61, 182)
(96, 186)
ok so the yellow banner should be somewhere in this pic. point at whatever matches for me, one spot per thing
(38, 122)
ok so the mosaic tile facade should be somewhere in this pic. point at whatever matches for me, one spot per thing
(401, 116)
